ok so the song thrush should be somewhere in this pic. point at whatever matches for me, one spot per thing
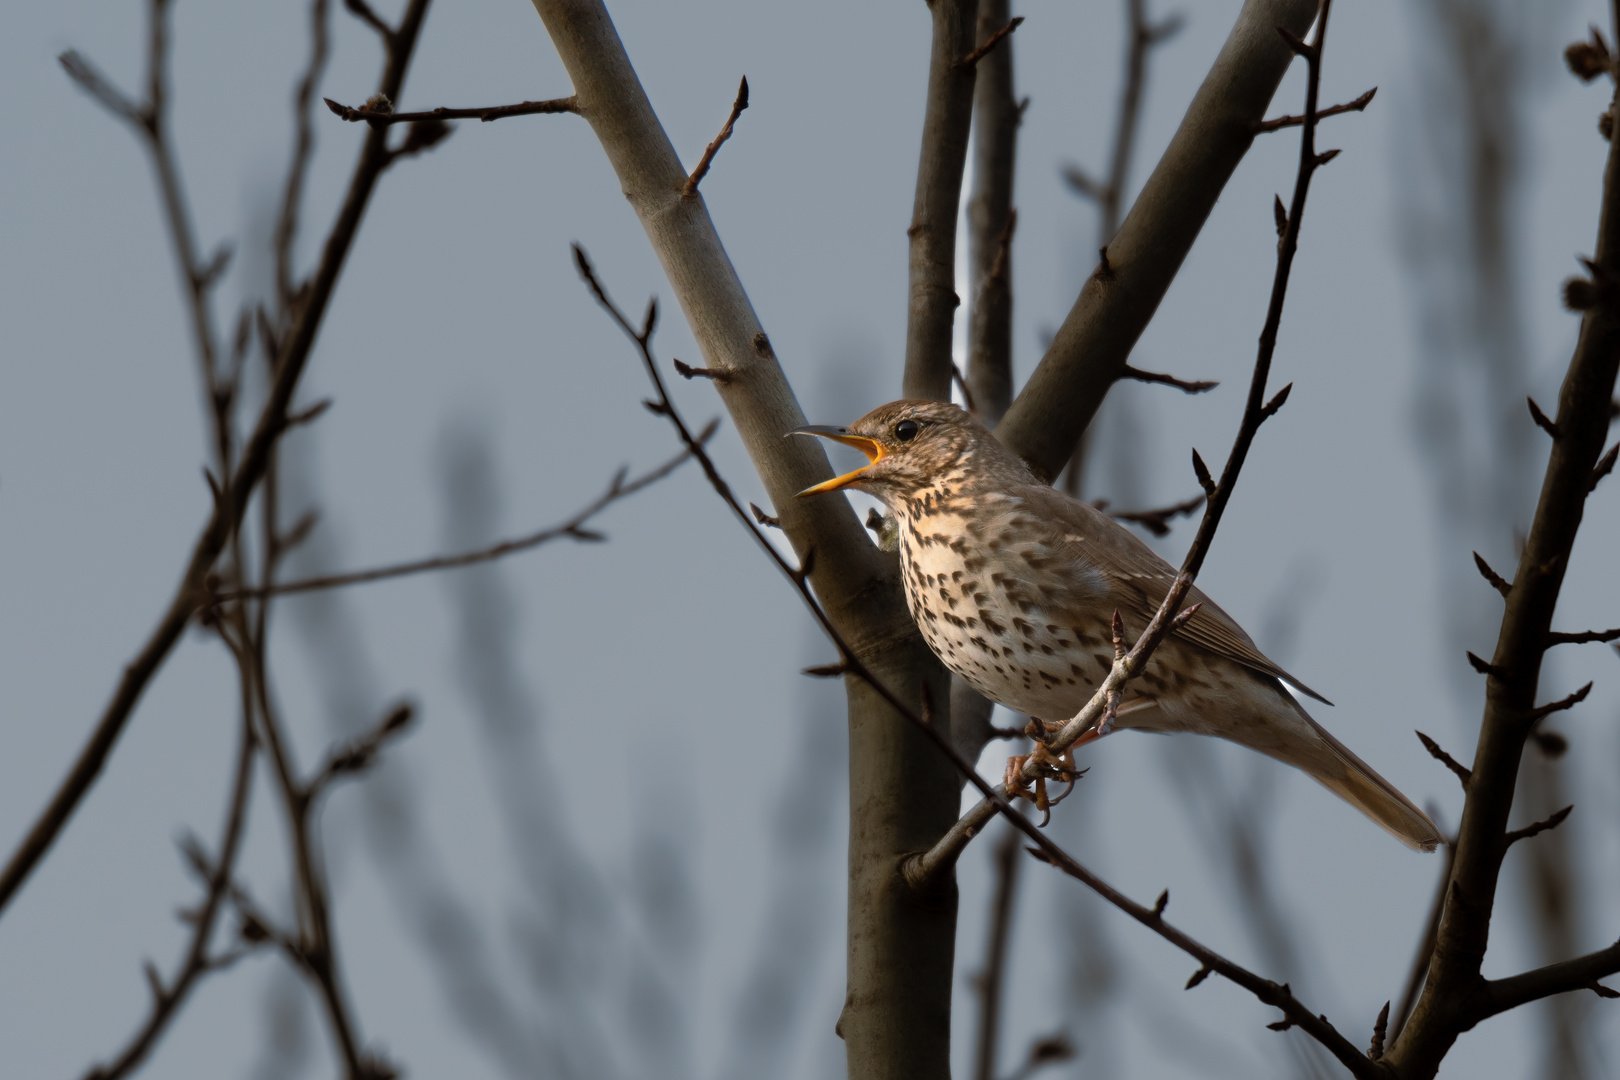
(1014, 585)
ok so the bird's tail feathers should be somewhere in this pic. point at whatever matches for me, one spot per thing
(1337, 768)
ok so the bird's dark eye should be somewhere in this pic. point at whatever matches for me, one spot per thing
(905, 430)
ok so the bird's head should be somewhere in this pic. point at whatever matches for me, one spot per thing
(912, 445)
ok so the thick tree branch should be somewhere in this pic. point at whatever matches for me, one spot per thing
(946, 119)
(1090, 349)
(991, 981)
(232, 505)
(1514, 670)
(991, 223)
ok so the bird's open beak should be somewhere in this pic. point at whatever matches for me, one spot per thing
(870, 447)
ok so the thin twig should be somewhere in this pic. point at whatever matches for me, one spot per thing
(1186, 386)
(1582, 638)
(228, 511)
(713, 148)
(384, 117)
(972, 59)
(1358, 105)
(167, 998)
(1157, 521)
(1462, 771)
(573, 529)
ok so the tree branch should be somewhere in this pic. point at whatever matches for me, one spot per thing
(573, 529)
(1358, 105)
(946, 119)
(1581, 973)
(232, 505)
(1510, 714)
(991, 223)
(1090, 349)
(493, 112)
(713, 148)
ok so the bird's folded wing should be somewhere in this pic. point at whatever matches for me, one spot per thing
(1084, 534)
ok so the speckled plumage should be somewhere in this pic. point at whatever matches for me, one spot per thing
(1014, 585)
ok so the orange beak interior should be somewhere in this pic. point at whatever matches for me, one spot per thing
(870, 447)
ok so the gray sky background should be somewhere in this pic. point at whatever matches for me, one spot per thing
(662, 667)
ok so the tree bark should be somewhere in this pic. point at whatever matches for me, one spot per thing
(946, 121)
(903, 793)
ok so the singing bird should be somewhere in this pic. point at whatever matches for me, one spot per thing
(1014, 586)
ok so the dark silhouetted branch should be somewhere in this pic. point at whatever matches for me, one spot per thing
(1583, 638)
(384, 117)
(1552, 821)
(1449, 1004)
(227, 514)
(1090, 350)
(1358, 105)
(1498, 582)
(1184, 385)
(1425, 950)
(1158, 521)
(1542, 420)
(572, 529)
(972, 59)
(1445, 759)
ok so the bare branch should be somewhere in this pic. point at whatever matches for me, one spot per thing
(1425, 951)
(1537, 714)
(227, 515)
(713, 148)
(1091, 348)
(1158, 521)
(1604, 467)
(1550, 822)
(1541, 418)
(1510, 715)
(363, 11)
(1358, 105)
(947, 116)
(1445, 759)
(572, 529)
(1498, 582)
(1581, 973)
(1582, 638)
(385, 117)
(972, 59)
(1184, 385)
